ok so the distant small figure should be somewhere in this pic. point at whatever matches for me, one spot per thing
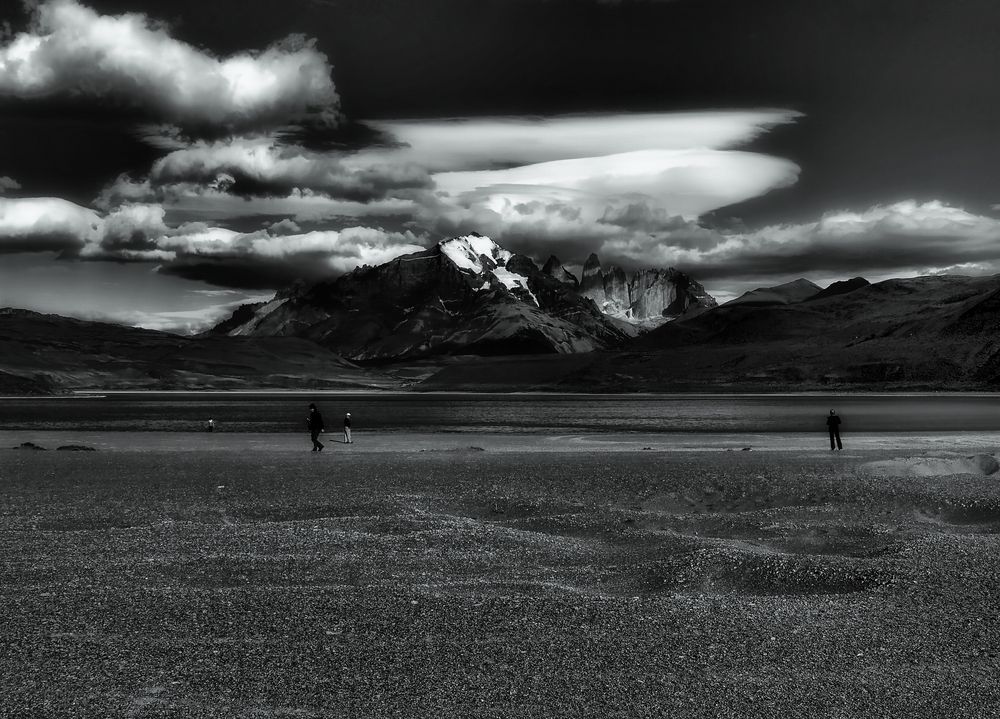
(833, 424)
(210, 426)
(347, 429)
(315, 424)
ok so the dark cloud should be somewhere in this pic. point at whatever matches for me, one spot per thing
(271, 260)
(140, 233)
(247, 272)
(61, 242)
(643, 216)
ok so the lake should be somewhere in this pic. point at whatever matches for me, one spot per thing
(521, 413)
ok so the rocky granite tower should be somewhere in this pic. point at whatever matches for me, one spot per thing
(592, 281)
(649, 296)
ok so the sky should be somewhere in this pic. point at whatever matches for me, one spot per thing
(161, 164)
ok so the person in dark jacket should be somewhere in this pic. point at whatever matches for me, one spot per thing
(833, 424)
(347, 429)
(315, 423)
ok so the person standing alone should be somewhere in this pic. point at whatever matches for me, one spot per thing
(347, 429)
(833, 424)
(315, 423)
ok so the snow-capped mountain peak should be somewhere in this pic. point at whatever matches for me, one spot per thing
(482, 256)
(467, 252)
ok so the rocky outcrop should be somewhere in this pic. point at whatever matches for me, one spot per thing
(667, 293)
(649, 296)
(554, 269)
(592, 281)
(617, 291)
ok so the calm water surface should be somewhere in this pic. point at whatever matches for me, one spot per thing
(548, 414)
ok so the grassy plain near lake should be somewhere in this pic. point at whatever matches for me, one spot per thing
(450, 582)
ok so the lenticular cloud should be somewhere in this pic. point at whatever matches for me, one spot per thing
(72, 50)
(490, 142)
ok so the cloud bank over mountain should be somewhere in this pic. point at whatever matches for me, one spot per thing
(251, 175)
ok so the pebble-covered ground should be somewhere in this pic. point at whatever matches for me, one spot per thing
(484, 584)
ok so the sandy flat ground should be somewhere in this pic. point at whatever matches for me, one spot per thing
(881, 443)
(495, 576)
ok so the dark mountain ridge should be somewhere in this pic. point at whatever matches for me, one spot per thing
(839, 288)
(788, 293)
(923, 333)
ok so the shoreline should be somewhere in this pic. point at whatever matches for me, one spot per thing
(527, 393)
(809, 443)
(400, 392)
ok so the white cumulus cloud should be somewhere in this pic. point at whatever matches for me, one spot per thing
(272, 166)
(899, 239)
(46, 223)
(258, 175)
(71, 49)
(188, 201)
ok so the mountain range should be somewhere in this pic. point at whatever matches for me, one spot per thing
(926, 333)
(467, 296)
(468, 314)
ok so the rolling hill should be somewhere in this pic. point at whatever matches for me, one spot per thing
(935, 332)
(45, 354)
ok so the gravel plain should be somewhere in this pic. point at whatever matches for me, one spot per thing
(476, 583)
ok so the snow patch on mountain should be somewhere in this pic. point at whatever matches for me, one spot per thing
(467, 252)
(514, 281)
(481, 255)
